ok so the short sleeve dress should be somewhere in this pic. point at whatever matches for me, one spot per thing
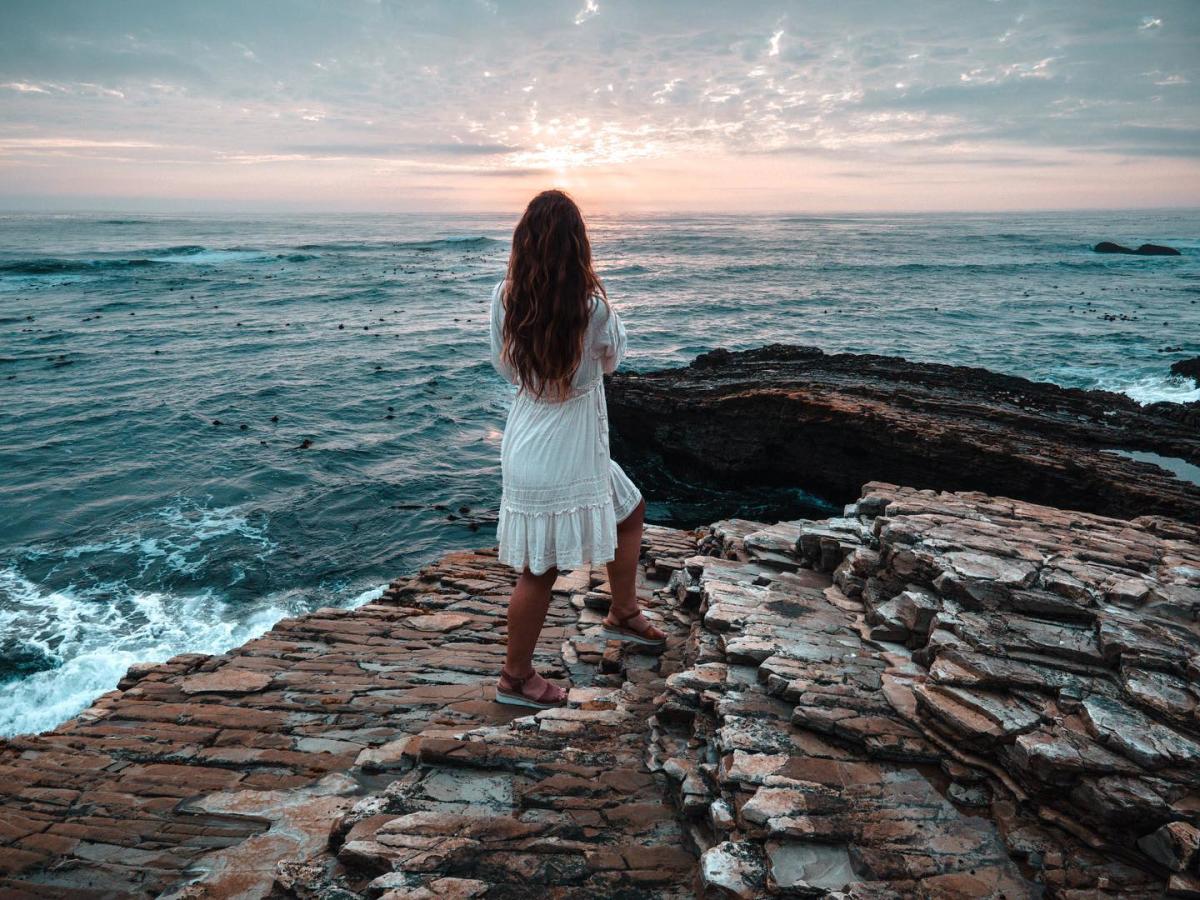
(562, 494)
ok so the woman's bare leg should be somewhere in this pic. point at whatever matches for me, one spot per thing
(622, 577)
(526, 614)
(622, 571)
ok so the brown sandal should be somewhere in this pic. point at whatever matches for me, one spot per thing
(622, 632)
(514, 693)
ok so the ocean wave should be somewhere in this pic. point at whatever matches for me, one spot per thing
(175, 538)
(62, 647)
(819, 220)
(51, 266)
(204, 256)
(88, 638)
(469, 240)
(189, 253)
(366, 596)
(1153, 388)
(458, 242)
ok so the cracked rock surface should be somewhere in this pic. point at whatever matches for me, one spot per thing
(932, 695)
(993, 698)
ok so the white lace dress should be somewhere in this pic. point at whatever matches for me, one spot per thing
(562, 494)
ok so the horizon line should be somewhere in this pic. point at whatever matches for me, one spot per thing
(516, 209)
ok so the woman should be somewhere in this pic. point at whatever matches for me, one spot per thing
(564, 502)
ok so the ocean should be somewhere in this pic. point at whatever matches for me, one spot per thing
(345, 359)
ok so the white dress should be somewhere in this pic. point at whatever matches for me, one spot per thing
(562, 494)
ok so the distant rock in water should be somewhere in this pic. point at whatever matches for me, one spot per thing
(1157, 250)
(1144, 250)
(1188, 368)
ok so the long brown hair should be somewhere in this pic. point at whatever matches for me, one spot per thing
(547, 295)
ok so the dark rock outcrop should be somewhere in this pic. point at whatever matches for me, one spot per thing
(1143, 250)
(1156, 250)
(1188, 368)
(787, 415)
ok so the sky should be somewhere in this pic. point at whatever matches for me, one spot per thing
(632, 105)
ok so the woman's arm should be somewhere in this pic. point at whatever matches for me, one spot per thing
(497, 337)
(610, 341)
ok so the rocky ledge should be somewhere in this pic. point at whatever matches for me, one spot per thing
(797, 417)
(933, 695)
(993, 699)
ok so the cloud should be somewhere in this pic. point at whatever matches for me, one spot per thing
(519, 87)
(389, 150)
(34, 144)
(24, 87)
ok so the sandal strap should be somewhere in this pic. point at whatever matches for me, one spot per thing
(548, 691)
(518, 684)
(623, 621)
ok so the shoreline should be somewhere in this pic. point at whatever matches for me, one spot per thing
(1023, 678)
(1016, 674)
(1105, 453)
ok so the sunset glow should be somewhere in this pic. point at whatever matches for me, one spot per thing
(472, 105)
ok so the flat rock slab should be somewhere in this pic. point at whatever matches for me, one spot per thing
(312, 748)
(438, 622)
(226, 681)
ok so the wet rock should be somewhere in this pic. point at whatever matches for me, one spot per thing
(829, 423)
(1043, 702)
(1136, 736)
(1187, 368)
(1142, 250)
(441, 622)
(1035, 733)
(391, 756)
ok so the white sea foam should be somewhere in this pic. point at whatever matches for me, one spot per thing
(182, 529)
(366, 597)
(91, 633)
(95, 635)
(1155, 389)
(213, 257)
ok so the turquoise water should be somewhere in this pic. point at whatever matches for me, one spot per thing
(133, 528)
